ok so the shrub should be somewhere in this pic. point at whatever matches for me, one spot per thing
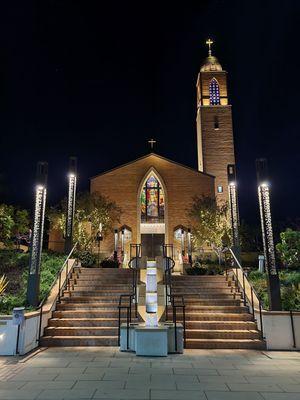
(86, 258)
(211, 269)
(289, 248)
(109, 263)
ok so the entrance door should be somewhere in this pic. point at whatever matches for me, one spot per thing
(152, 244)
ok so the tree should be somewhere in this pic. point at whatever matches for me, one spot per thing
(289, 248)
(210, 225)
(6, 223)
(90, 211)
(13, 221)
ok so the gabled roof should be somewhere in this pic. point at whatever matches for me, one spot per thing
(156, 155)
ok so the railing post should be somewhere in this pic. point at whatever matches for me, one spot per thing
(261, 320)
(252, 302)
(184, 333)
(119, 326)
(244, 288)
(127, 327)
(59, 284)
(293, 329)
(40, 322)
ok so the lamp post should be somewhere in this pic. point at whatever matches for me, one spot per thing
(182, 242)
(267, 234)
(99, 238)
(36, 244)
(72, 176)
(234, 209)
(116, 234)
(189, 245)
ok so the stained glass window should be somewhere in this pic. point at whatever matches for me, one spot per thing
(214, 92)
(152, 201)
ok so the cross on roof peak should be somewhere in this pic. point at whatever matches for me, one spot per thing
(152, 143)
(209, 43)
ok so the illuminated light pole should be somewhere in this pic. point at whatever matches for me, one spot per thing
(36, 244)
(122, 241)
(234, 209)
(116, 234)
(189, 245)
(72, 176)
(182, 241)
(267, 234)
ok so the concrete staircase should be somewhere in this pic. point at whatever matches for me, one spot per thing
(88, 314)
(216, 318)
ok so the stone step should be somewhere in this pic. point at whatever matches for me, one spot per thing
(95, 280)
(211, 302)
(104, 271)
(222, 334)
(198, 278)
(225, 344)
(88, 306)
(79, 322)
(90, 299)
(103, 312)
(211, 309)
(67, 341)
(95, 293)
(187, 290)
(213, 296)
(107, 286)
(221, 325)
(210, 285)
(81, 331)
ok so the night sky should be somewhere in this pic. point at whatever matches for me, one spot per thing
(97, 81)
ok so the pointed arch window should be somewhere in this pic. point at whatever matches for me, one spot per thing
(214, 92)
(152, 201)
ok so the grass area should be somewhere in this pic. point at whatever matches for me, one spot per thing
(15, 266)
(290, 288)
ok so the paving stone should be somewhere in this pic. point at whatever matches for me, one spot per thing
(173, 378)
(49, 385)
(92, 370)
(233, 396)
(195, 371)
(201, 386)
(223, 379)
(11, 385)
(60, 394)
(68, 371)
(177, 395)
(144, 370)
(280, 396)
(108, 376)
(123, 394)
(19, 394)
(33, 377)
(287, 387)
(79, 377)
(104, 385)
(254, 387)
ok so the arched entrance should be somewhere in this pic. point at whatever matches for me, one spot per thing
(152, 214)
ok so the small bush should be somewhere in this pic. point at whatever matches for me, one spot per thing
(86, 258)
(109, 263)
(211, 269)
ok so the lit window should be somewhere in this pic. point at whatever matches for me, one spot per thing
(216, 123)
(220, 189)
(152, 201)
(214, 92)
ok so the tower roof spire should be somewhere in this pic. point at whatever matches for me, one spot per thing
(211, 62)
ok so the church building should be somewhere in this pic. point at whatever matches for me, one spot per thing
(155, 193)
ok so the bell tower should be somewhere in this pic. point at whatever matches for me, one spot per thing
(214, 123)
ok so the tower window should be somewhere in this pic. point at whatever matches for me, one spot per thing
(216, 123)
(214, 92)
(220, 189)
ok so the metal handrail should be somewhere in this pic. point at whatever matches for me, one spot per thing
(128, 316)
(175, 306)
(252, 290)
(168, 281)
(60, 289)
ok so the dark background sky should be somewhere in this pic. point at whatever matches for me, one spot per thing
(97, 81)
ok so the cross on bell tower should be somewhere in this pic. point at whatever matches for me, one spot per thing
(152, 142)
(209, 43)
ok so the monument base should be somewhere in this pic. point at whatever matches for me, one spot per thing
(155, 341)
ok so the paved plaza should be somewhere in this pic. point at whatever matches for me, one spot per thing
(105, 373)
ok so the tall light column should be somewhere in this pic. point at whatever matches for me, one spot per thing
(189, 245)
(72, 177)
(267, 234)
(234, 209)
(116, 242)
(36, 244)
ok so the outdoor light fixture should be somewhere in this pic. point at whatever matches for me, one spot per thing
(122, 240)
(71, 204)
(233, 208)
(267, 234)
(116, 244)
(189, 245)
(36, 244)
(182, 241)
